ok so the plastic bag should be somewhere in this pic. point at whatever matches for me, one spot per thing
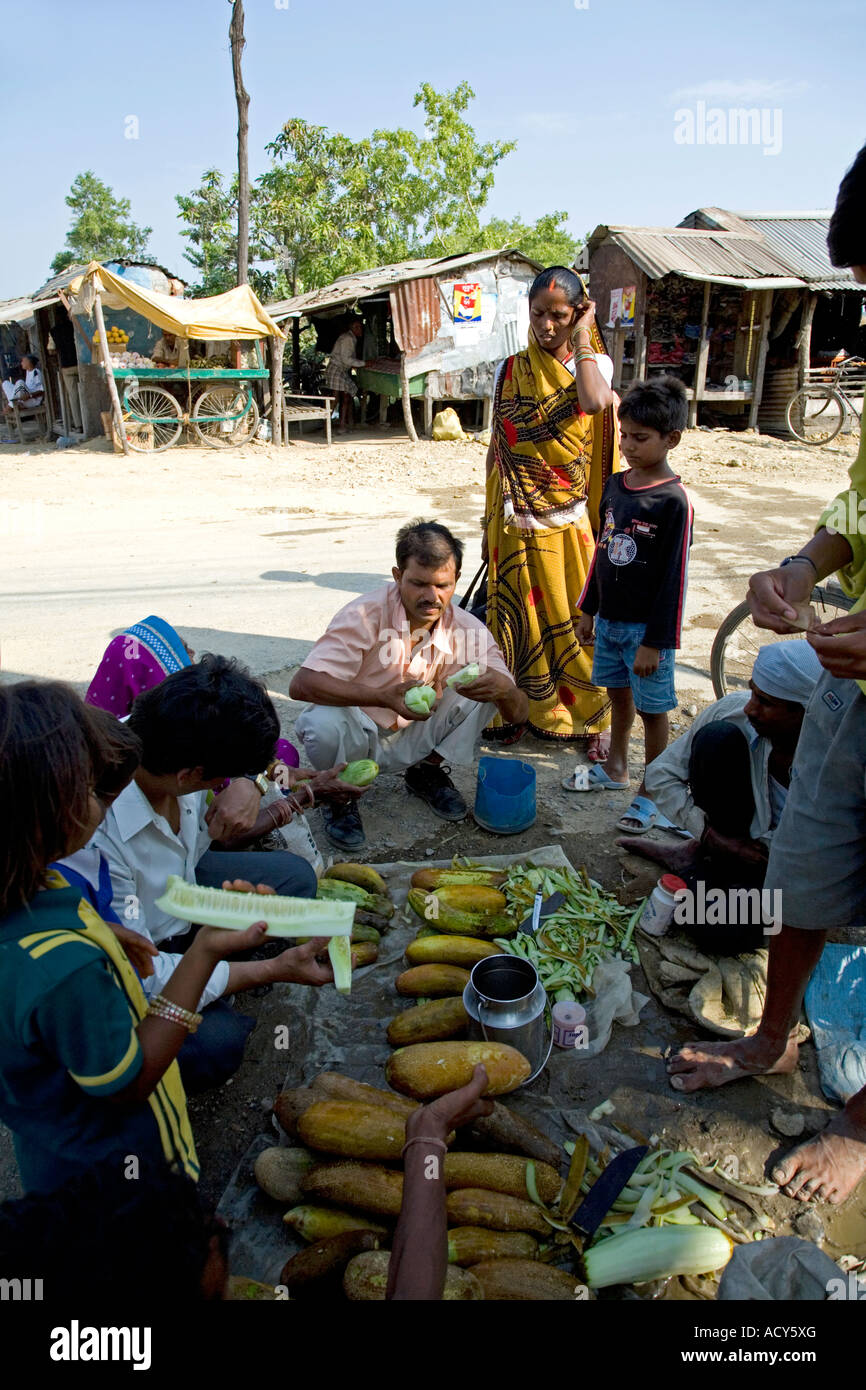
(615, 1002)
(779, 1270)
(446, 424)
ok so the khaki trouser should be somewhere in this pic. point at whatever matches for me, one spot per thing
(334, 734)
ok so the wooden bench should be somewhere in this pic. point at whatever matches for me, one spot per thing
(307, 408)
(23, 411)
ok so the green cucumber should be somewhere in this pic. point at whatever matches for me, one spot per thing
(464, 677)
(360, 773)
(420, 699)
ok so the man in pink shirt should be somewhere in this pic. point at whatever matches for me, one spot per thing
(375, 649)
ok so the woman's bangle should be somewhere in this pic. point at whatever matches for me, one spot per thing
(423, 1139)
(160, 1007)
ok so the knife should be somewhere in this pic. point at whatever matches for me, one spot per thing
(541, 909)
(605, 1190)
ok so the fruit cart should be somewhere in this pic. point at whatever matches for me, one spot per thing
(220, 406)
(222, 415)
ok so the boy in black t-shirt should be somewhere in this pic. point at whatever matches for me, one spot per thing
(637, 588)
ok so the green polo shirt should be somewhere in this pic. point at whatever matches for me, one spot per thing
(70, 1005)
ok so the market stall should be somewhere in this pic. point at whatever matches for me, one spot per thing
(218, 402)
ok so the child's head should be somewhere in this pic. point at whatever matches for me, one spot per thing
(555, 299)
(846, 238)
(652, 417)
(150, 1237)
(207, 722)
(56, 756)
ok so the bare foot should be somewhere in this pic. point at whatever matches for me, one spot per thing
(828, 1167)
(597, 747)
(699, 1065)
(676, 855)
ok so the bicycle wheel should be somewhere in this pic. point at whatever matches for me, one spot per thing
(816, 414)
(738, 641)
(152, 417)
(225, 417)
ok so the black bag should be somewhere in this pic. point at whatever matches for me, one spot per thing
(477, 606)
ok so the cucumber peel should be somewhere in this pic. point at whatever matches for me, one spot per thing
(220, 907)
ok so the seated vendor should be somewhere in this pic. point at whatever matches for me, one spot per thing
(403, 634)
(34, 389)
(726, 782)
(170, 351)
(202, 723)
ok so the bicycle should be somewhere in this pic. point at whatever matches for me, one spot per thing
(817, 412)
(738, 641)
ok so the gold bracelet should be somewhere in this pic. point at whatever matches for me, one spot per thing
(160, 1007)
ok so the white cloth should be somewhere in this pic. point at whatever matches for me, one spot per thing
(11, 389)
(142, 850)
(667, 777)
(333, 734)
(86, 862)
(787, 671)
(33, 382)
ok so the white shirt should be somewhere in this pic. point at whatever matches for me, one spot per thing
(33, 382)
(142, 850)
(667, 778)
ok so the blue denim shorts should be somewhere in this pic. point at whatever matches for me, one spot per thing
(616, 647)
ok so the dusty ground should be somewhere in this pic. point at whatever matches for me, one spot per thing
(240, 553)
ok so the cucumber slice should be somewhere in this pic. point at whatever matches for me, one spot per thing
(218, 907)
(340, 952)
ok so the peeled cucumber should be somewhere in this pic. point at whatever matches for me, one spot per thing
(293, 917)
(420, 699)
(464, 677)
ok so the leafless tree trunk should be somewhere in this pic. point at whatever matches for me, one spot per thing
(236, 35)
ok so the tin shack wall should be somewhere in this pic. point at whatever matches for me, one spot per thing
(466, 355)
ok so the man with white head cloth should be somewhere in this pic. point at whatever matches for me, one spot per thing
(726, 782)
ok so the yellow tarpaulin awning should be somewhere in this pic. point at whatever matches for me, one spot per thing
(236, 314)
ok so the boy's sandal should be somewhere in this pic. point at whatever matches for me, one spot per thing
(591, 779)
(640, 817)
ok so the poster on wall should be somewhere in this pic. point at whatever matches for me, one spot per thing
(622, 304)
(467, 303)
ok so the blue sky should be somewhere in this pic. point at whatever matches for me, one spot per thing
(590, 93)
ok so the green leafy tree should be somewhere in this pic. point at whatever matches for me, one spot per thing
(546, 241)
(101, 228)
(330, 205)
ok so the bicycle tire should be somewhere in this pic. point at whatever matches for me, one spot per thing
(797, 414)
(229, 433)
(153, 419)
(725, 677)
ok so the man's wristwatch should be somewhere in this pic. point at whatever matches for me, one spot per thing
(259, 780)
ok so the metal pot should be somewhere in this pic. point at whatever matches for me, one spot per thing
(507, 1003)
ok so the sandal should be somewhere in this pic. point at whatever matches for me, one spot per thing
(642, 810)
(597, 747)
(591, 779)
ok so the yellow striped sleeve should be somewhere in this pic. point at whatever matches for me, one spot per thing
(60, 939)
(109, 1078)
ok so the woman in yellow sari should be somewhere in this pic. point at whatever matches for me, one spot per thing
(552, 449)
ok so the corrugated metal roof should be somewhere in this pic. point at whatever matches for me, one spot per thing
(702, 255)
(800, 238)
(17, 310)
(363, 283)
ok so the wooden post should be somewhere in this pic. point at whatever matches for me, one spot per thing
(407, 403)
(236, 36)
(804, 338)
(618, 351)
(428, 407)
(763, 348)
(296, 355)
(277, 349)
(701, 362)
(109, 374)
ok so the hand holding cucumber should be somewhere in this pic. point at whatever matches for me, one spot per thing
(420, 708)
(456, 1108)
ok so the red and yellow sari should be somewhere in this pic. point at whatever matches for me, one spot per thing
(543, 495)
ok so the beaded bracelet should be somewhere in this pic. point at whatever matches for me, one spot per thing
(160, 1007)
